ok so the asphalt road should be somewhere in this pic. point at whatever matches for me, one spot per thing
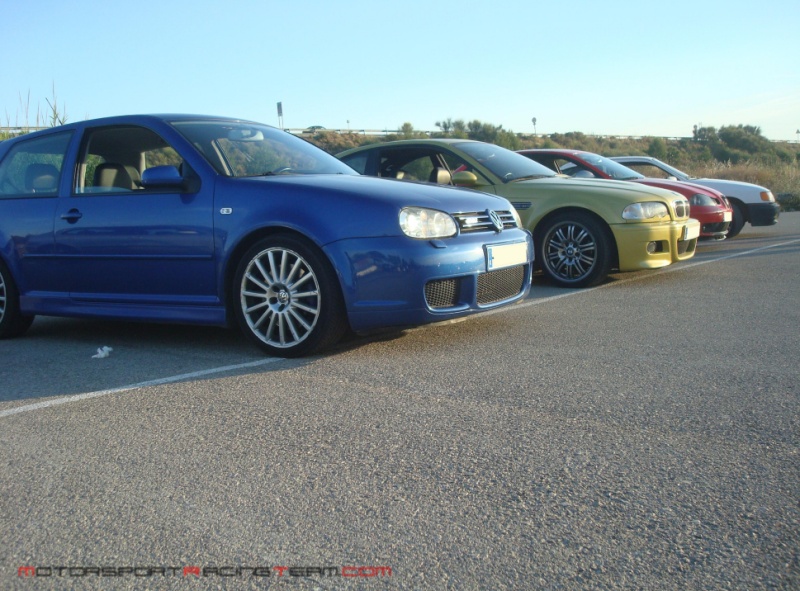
(641, 435)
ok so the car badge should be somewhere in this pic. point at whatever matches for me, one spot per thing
(495, 219)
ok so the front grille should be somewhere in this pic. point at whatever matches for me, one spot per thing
(716, 228)
(443, 293)
(681, 208)
(494, 286)
(478, 221)
(502, 284)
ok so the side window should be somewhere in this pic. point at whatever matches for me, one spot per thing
(456, 164)
(114, 158)
(572, 169)
(551, 162)
(418, 169)
(358, 162)
(648, 170)
(33, 167)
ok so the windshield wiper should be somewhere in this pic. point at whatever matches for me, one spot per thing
(528, 177)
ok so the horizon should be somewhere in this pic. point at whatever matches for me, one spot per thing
(609, 70)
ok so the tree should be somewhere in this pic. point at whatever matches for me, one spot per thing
(657, 148)
(746, 138)
(445, 125)
(407, 131)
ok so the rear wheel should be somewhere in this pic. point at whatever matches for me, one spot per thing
(287, 298)
(12, 322)
(574, 250)
(738, 220)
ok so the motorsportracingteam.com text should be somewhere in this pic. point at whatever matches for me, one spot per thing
(205, 571)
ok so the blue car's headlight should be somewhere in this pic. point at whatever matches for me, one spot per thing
(418, 222)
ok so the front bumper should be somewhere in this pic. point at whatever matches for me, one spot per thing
(398, 281)
(763, 214)
(714, 221)
(666, 240)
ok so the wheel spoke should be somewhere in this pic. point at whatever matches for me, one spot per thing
(571, 251)
(264, 274)
(280, 297)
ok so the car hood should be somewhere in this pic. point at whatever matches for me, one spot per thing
(635, 191)
(729, 187)
(686, 189)
(388, 191)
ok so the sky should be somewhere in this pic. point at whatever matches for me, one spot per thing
(609, 67)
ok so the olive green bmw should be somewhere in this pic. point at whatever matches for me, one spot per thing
(582, 228)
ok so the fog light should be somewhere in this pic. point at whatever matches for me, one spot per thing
(651, 247)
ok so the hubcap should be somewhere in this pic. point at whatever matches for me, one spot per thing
(280, 297)
(571, 251)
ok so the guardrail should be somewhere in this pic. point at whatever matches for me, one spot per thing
(384, 132)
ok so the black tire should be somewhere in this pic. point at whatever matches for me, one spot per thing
(287, 299)
(12, 322)
(574, 250)
(737, 223)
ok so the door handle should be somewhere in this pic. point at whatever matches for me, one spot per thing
(72, 216)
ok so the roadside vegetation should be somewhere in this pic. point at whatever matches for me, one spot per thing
(735, 152)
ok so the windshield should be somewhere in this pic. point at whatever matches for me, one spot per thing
(671, 170)
(507, 165)
(615, 170)
(248, 149)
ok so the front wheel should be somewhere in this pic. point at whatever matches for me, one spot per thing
(287, 298)
(574, 250)
(12, 322)
(738, 220)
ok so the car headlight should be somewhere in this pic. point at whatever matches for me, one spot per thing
(645, 211)
(418, 222)
(700, 199)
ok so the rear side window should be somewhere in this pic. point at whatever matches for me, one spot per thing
(33, 167)
(357, 162)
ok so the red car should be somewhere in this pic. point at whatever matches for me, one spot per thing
(708, 206)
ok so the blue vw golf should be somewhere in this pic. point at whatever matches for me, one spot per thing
(181, 218)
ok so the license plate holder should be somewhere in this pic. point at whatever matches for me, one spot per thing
(691, 232)
(501, 256)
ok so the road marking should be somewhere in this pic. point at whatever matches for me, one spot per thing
(669, 269)
(158, 382)
(267, 361)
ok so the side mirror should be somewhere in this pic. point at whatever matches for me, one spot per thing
(672, 178)
(162, 176)
(465, 178)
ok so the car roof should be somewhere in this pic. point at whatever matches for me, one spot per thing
(139, 119)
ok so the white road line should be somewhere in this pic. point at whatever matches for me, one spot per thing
(159, 382)
(669, 269)
(216, 370)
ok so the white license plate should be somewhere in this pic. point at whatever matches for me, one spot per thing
(691, 232)
(500, 256)
(727, 216)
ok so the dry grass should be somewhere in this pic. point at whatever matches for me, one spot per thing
(782, 179)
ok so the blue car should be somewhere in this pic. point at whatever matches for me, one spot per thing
(188, 219)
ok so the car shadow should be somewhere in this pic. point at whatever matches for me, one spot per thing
(62, 356)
